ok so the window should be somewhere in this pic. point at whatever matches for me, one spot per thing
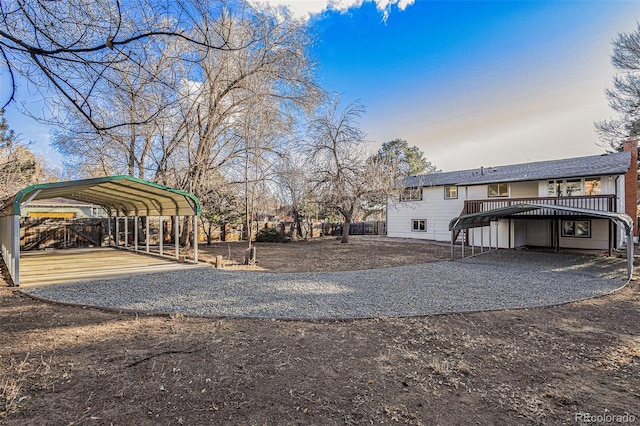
(592, 186)
(499, 190)
(411, 194)
(419, 225)
(555, 188)
(450, 192)
(576, 228)
(573, 187)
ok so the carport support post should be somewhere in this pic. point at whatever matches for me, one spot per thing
(117, 239)
(176, 233)
(135, 232)
(482, 240)
(489, 235)
(452, 235)
(161, 234)
(629, 253)
(109, 226)
(126, 233)
(195, 239)
(15, 248)
(147, 232)
(473, 242)
(463, 243)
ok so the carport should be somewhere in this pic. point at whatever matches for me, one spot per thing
(485, 218)
(121, 196)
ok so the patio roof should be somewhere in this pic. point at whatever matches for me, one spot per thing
(484, 218)
(124, 195)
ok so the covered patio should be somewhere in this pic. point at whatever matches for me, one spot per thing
(124, 198)
(46, 267)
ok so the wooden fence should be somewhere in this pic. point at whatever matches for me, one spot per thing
(232, 232)
(43, 233)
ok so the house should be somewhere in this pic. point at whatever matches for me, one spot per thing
(62, 208)
(604, 183)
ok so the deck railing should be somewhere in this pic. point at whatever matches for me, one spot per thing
(591, 202)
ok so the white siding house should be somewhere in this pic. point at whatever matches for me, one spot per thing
(427, 203)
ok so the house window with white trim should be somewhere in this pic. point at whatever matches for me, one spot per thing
(450, 192)
(411, 194)
(576, 228)
(498, 190)
(419, 225)
(573, 187)
(555, 188)
(592, 186)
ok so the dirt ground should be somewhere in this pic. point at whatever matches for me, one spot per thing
(327, 254)
(63, 365)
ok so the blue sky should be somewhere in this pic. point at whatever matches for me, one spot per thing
(470, 83)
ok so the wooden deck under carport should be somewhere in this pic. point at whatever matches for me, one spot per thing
(73, 265)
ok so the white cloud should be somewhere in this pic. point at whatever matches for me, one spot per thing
(306, 8)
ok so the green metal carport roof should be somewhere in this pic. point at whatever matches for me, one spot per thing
(123, 195)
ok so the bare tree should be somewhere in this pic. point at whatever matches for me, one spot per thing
(295, 189)
(126, 149)
(74, 46)
(262, 134)
(221, 205)
(624, 96)
(273, 75)
(200, 129)
(345, 175)
(19, 167)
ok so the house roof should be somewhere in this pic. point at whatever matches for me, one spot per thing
(595, 165)
(123, 194)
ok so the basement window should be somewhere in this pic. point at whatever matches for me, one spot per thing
(576, 228)
(419, 225)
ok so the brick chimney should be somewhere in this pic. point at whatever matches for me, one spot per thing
(631, 183)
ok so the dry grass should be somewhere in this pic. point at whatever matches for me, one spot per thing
(12, 382)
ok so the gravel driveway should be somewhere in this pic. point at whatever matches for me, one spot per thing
(496, 280)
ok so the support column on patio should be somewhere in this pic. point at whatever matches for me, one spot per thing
(195, 239)
(176, 236)
(160, 243)
(146, 238)
(135, 233)
(117, 230)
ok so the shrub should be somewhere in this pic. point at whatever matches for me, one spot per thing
(270, 235)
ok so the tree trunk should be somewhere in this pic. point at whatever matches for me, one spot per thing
(186, 233)
(345, 230)
(209, 231)
(298, 223)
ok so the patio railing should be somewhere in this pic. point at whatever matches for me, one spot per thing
(592, 202)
